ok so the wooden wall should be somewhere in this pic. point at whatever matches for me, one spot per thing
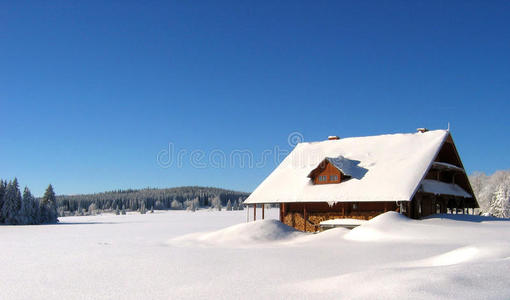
(312, 213)
(327, 171)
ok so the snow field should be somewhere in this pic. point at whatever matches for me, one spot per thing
(210, 254)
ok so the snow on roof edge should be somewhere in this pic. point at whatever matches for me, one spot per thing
(445, 137)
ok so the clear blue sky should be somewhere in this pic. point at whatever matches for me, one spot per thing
(91, 92)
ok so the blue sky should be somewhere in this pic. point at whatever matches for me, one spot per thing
(91, 92)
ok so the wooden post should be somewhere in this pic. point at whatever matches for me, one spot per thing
(263, 210)
(254, 212)
(304, 215)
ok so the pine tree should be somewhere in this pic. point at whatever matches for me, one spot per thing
(117, 211)
(25, 215)
(229, 205)
(3, 186)
(49, 206)
(500, 202)
(36, 212)
(240, 205)
(12, 202)
(123, 210)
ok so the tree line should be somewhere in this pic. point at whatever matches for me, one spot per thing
(16, 209)
(179, 198)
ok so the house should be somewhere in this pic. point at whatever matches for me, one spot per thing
(416, 174)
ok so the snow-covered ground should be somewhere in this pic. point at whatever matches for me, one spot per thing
(211, 255)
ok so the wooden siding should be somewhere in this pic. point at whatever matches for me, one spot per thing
(327, 170)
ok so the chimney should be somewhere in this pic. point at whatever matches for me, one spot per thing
(333, 137)
(422, 130)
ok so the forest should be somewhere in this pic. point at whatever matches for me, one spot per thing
(16, 209)
(120, 201)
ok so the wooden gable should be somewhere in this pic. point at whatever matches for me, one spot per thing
(325, 173)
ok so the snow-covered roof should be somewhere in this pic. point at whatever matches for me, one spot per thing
(384, 168)
(438, 187)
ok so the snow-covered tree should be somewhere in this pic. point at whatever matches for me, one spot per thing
(159, 205)
(12, 203)
(3, 186)
(143, 210)
(490, 192)
(216, 203)
(191, 205)
(92, 209)
(229, 205)
(117, 211)
(123, 211)
(500, 202)
(175, 204)
(35, 211)
(240, 205)
(48, 206)
(25, 214)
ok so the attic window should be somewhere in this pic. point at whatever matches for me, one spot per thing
(333, 178)
(323, 178)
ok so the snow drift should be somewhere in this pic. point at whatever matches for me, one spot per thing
(247, 234)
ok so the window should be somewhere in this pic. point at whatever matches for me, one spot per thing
(323, 178)
(333, 178)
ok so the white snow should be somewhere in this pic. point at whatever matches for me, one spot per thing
(438, 187)
(343, 221)
(384, 168)
(443, 165)
(209, 255)
(346, 166)
(241, 235)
